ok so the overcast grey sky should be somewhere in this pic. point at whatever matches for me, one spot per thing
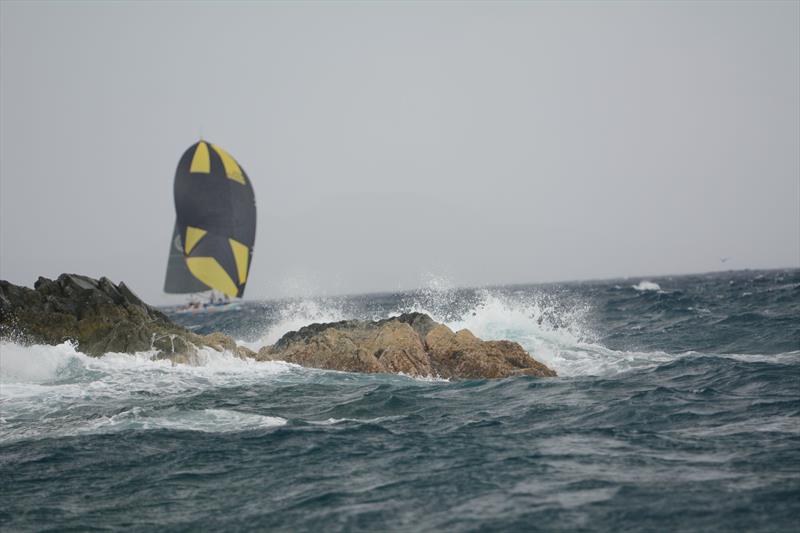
(388, 143)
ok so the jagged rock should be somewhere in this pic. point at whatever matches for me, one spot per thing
(412, 344)
(463, 355)
(100, 316)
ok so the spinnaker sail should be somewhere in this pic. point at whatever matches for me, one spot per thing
(215, 226)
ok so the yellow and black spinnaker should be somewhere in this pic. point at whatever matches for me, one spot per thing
(215, 229)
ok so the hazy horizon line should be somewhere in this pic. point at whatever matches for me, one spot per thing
(644, 277)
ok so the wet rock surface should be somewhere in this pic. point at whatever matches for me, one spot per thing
(98, 315)
(412, 344)
(102, 317)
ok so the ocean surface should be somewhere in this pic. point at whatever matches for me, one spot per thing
(677, 408)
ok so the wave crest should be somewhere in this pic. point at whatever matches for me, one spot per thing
(645, 285)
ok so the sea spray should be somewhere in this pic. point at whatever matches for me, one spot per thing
(645, 285)
(554, 327)
(43, 388)
(295, 314)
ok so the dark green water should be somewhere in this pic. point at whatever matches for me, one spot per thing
(677, 408)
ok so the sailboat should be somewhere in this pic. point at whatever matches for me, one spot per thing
(215, 228)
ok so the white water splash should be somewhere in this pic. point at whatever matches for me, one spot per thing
(645, 285)
(22, 364)
(48, 391)
(554, 331)
(293, 316)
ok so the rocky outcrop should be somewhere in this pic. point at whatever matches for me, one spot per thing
(96, 314)
(103, 317)
(412, 344)
(221, 342)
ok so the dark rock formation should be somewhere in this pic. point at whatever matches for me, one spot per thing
(412, 344)
(102, 317)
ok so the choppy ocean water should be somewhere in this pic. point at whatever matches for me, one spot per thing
(677, 408)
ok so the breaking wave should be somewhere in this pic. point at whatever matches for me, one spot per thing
(555, 330)
(45, 390)
(647, 286)
(293, 315)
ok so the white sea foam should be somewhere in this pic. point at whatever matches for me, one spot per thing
(50, 390)
(554, 332)
(24, 364)
(425, 379)
(335, 421)
(792, 357)
(205, 420)
(57, 423)
(645, 285)
(62, 364)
